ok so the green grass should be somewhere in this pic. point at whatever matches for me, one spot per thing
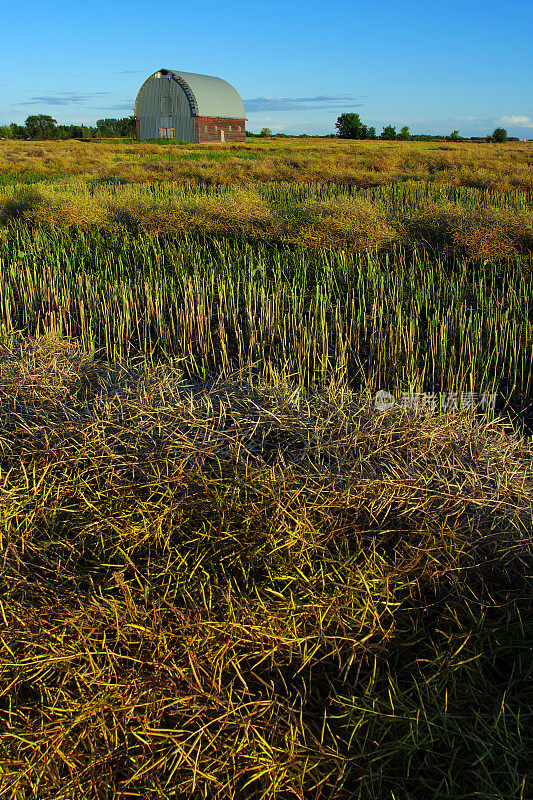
(426, 725)
(204, 155)
(25, 178)
(406, 321)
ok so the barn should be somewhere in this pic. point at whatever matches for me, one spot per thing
(190, 107)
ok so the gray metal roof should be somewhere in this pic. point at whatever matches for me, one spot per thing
(214, 97)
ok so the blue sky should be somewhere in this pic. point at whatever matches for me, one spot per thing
(297, 65)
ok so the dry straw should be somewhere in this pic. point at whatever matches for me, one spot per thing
(360, 164)
(198, 576)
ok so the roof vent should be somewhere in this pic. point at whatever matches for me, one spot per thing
(163, 71)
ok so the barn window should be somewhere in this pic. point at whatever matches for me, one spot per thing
(239, 127)
(216, 128)
(205, 128)
(230, 127)
(166, 106)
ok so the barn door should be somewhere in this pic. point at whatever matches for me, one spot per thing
(165, 101)
(222, 136)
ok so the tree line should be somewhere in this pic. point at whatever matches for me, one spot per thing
(43, 126)
(349, 126)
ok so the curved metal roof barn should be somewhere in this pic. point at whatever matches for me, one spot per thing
(190, 107)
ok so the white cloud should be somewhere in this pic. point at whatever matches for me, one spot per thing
(322, 101)
(517, 119)
(62, 98)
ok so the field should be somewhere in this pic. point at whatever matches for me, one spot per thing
(226, 572)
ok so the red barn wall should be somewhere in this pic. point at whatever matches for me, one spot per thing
(220, 124)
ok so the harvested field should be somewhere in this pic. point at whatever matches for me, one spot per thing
(227, 572)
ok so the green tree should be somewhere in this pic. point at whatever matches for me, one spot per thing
(388, 132)
(404, 134)
(454, 136)
(41, 126)
(126, 127)
(18, 131)
(104, 128)
(109, 128)
(371, 133)
(499, 135)
(265, 132)
(71, 131)
(349, 126)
